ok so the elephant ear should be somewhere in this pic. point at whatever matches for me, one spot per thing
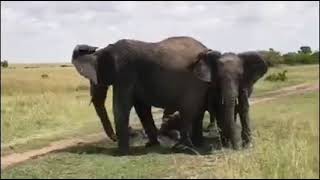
(254, 67)
(85, 62)
(205, 65)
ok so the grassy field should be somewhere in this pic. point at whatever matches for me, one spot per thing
(36, 111)
(296, 75)
(286, 145)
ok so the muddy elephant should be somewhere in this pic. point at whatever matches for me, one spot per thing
(145, 74)
(232, 78)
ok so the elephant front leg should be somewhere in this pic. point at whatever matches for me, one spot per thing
(244, 118)
(144, 113)
(122, 104)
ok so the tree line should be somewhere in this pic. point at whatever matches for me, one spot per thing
(303, 56)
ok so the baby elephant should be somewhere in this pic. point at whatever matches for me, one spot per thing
(171, 124)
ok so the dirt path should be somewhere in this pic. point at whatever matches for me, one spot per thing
(16, 158)
(297, 89)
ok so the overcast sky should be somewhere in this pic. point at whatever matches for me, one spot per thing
(48, 31)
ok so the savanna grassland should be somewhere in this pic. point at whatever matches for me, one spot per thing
(37, 109)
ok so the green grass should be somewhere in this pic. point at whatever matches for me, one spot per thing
(286, 145)
(296, 75)
(31, 118)
(37, 111)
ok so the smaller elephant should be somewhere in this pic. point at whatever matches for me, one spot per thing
(171, 125)
(232, 77)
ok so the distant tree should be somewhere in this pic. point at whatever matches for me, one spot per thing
(301, 58)
(315, 56)
(272, 57)
(290, 58)
(305, 50)
(4, 63)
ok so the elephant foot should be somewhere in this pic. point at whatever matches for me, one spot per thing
(235, 144)
(152, 144)
(123, 152)
(198, 141)
(225, 143)
(247, 145)
(173, 134)
(180, 148)
(132, 133)
(185, 146)
(209, 127)
(113, 137)
(235, 147)
(218, 146)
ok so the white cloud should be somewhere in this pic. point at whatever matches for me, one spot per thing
(48, 31)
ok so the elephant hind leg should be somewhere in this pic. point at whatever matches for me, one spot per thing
(197, 135)
(145, 115)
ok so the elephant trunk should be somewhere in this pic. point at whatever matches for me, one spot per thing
(228, 115)
(99, 95)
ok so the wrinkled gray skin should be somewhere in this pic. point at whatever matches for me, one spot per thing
(143, 75)
(232, 78)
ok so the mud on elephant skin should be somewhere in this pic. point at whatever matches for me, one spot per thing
(144, 74)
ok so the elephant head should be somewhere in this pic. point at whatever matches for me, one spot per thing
(85, 61)
(230, 73)
(98, 67)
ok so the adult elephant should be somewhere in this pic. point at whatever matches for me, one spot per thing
(232, 78)
(145, 74)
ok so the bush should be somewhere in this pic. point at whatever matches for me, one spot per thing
(82, 87)
(30, 67)
(65, 65)
(44, 76)
(301, 58)
(273, 58)
(4, 64)
(281, 76)
(315, 57)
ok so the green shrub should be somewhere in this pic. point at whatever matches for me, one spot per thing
(301, 58)
(281, 76)
(273, 58)
(65, 65)
(4, 64)
(44, 76)
(82, 88)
